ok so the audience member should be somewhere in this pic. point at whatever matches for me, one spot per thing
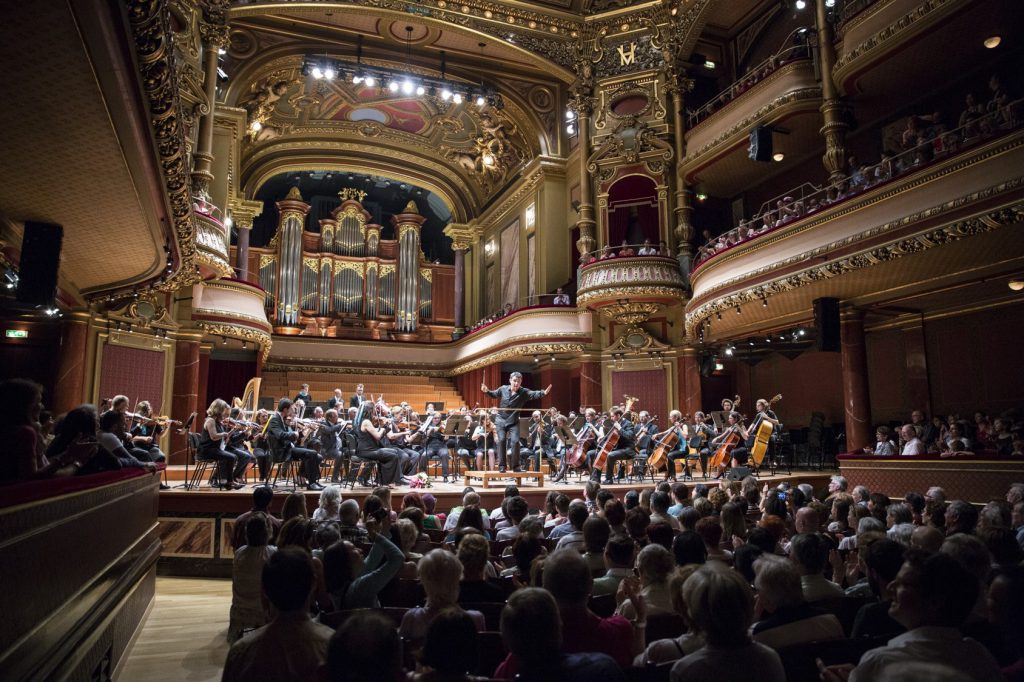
(354, 581)
(654, 566)
(366, 648)
(246, 577)
(473, 554)
(809, 553)
(330, 505)
(672, 649)
(262, 496)
(440, 573)
(618, 558)
(786, 618)
(573, 538)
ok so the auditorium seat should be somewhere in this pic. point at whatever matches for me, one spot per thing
(664, 625)
(491, 651)
(490, 610)
(603, 605)
(403, 593)
(844, 608)
(799, 660)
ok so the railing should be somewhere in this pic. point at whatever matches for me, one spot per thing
(506, 312)
(754, 76)
(848, 9)
(939, 145)
(625, 251)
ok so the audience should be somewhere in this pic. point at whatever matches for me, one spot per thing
(354, 581)
(262, 496)
(440, 573)
(246, 576)
(366, 648)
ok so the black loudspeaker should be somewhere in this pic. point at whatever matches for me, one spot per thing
(826, 321)
(738, 473)
(761, 144)
(40, 261)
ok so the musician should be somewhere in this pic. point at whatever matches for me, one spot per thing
(402, 439)
(213, 444)
(119, 405)
(591, 424)
(347, 437)
(357, 399)
(764, 414)
(484, 429)
(330, 440)
(506, 425)
(303, 395)
(435, 446)
(336, 401)
(538, 442)
(644, 431)
(145, 434)
(623, 449)
(677, 426)
(461, 444)
(368, 446)
(735, 425)
(282, 439)
(260, 447)
(704, 427)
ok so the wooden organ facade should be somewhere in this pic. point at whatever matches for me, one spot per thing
(345, 281)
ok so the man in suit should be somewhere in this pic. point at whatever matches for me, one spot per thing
(357, 399)
(304, 395)
(336, 401)
(623, 448)
(282, 444)
(507, 422)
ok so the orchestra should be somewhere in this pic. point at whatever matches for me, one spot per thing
(326, 439)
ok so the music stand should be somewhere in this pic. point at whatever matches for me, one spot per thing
(185, 429)
(719, 418)
(567, 436)
(454, 426)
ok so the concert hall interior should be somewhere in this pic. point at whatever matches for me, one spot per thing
(757, 243)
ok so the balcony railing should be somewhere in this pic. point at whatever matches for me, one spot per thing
(212, 240)
(807, 200)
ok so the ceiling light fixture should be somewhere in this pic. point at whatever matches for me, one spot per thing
(801, 4)
(779, 156)
(992, 42)
(1017, 284)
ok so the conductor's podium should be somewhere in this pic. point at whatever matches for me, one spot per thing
(518, 476)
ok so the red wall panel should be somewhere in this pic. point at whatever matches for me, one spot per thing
(134, 372)
(648, 386)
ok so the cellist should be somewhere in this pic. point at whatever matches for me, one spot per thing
(623, 449)
(678, 426)
(735, 426)
(741, 453)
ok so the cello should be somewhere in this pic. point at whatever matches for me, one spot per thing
(763, 434)
(577, 453)
(732, 438)
(659, 457)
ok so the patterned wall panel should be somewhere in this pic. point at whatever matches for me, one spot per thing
(647, 385)
(978, 481)
(510, 265)
(134, 372)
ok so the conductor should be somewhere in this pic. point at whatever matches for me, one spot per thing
(506, 424)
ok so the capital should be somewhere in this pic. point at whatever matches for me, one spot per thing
(243, 212)
(463, 235)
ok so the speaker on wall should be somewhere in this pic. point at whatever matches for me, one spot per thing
(40, 261)
(826, 322)
(761, 144)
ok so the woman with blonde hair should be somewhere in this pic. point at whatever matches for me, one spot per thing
(330, 505)
(214, 445)
(439, 572)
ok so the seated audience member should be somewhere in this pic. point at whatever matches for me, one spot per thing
(672, 649)
(262, 496)
(573, 537)
(408, 537)
(471, 516)
(469, 497)
(961, 517)
(473, 554)
(1017, 522)
(517, 508)
(710, 531)
(912, 445)
(525, 549)
(561, 298)
(882, 559)
(809, 553)
(786, 618)
(654, 566)
(744, 558)
(618, 558)
(439, 573)
(1005, 604)
(532, 632)
(246, 573)
(955, 434)
(330, 505)
(637, 521)
(647, 249)
(366, 648)
(689, 548)
(681, 494)
(291, 646)
(294, 505)
(110, 441)
(348, 523)
(443, 662)
(498, 517)
(596, 532)
(354, 581)
(721, 608)
(430, 519)
(615, 515)
(660, 534)
(883, 443)
(933, 597)
(660, 503)
(24, 458)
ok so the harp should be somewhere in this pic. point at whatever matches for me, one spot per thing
(250, 398)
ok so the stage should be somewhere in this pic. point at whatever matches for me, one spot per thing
(195, 525)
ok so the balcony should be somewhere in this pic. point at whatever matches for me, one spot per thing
(232, 308)
(212, 241)
(869, 248)
(717, 156)
(630, 289)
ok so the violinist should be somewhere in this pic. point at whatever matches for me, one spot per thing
(368, 446)
(623, 449)
(213, 444)
(119, 406)
(677, 426)
(399, 436)
(484, 430)
(347, 437)
(538, 442)
(330, 440)
(145, 434)
(734, 425)
(435, 447)
(260, 449)
(461, 444)
(282, 439)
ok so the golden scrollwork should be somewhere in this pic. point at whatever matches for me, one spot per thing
(311, 263)
(427, 274)
(386, 269)
(350, 193)
(256, 336)
(266, 259)
(352, 266)
(517, 352)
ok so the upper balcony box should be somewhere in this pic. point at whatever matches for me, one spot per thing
(212, 238)
(716, 147)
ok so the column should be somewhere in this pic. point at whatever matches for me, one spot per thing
(214, 31)
(856, 403)
(683, 232)
(242, 215)
(185, 396)
(834, 128)
(463, 237)
(919, 393)
(69, 388)
(583, 105)
(688, 378)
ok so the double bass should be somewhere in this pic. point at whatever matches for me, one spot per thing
(731, 440)
(763, 434)
(612, 439)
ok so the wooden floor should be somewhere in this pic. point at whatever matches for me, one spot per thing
(185, 636)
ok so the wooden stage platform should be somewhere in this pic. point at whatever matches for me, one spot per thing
(195, 525)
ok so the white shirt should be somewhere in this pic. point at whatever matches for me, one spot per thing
(931, 644)
(914, 446)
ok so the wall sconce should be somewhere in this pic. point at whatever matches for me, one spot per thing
(489, 247)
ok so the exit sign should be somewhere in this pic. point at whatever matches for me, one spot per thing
(17, 333)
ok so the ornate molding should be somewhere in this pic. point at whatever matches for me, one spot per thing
(256, 336)
(463, 236)
(154, 49)
(909, 22)
(893, 250)
(516, 352)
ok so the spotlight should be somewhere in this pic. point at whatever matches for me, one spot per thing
(571, 129)
(407, 87)
(244, 345)
(728, 351)
(778, 156)
(719, 314)
(767, 339)
(221, 51)
(317, 73)
(830, 3)
(708, 64)
(800, 4)
(489, 159)
(570, 115)
(370, 81)
(223, 340)
(552, 357)
(393, 86)
(1014, 284)
(764, 302)
(801, 332)
(255, 126)
(420, 90)
(229, 222)
(457, 98)
(480, 101)
(738, 311)
(446, 94)
(992, 42)
(329, 73)
(536, 359)
(701, 196)
(356, 80)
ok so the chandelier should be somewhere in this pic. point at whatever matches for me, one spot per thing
(401, 82)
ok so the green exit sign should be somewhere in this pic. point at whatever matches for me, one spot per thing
(17, 333)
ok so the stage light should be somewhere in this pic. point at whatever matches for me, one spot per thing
(992, 42)
(778, 156)
(329, 73)
(446, 94)
(800, 4)
(407, 87)
(480, 101)
(370, 81)
(317, 73)
(393, 86)
(457, 98)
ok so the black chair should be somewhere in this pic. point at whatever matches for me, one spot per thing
(603, 605)
(491, 652)
(490, 610)
(844, 609)
(403, 593)
(202, 464)
(664, 625)
(799, 660)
